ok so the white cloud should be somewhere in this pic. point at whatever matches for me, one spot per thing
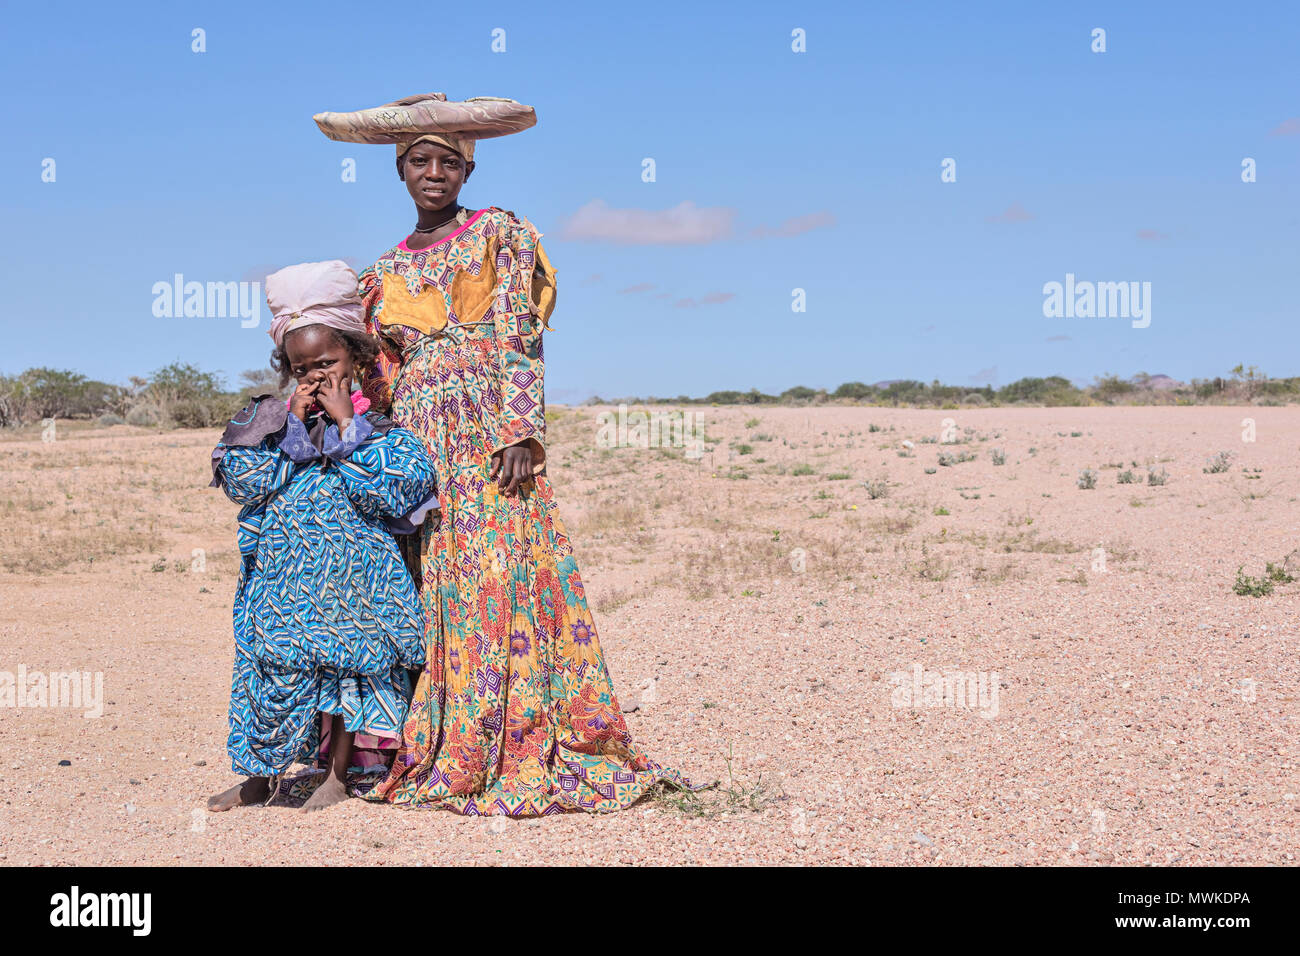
(683, 224)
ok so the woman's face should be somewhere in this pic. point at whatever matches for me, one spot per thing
(316, 349)
(433, 175)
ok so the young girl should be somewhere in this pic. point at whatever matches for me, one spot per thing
(327, 617)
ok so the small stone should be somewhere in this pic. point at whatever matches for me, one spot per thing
(65, 763)
(200, 763)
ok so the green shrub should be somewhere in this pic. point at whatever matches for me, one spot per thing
(1247, 586)
(142, 415)
(201, 413)
(1277, 573)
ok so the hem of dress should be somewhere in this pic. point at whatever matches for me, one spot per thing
(552, 804)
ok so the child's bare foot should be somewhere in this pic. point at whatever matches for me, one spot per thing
(252, 791)
(330, 792)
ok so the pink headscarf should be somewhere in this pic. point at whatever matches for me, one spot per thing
(314, 293)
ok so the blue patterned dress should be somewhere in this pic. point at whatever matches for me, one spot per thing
(327, 618)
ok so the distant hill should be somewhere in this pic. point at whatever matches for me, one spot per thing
(1163, 383)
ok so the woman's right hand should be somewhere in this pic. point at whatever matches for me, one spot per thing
(514, 464)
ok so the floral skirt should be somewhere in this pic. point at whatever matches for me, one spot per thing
(514, 712)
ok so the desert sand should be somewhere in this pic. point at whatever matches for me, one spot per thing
(755, 608)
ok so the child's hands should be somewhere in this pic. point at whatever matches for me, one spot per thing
(335, 396)
(304, 395)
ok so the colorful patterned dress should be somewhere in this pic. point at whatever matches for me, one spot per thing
(327, 618)
(514, 713)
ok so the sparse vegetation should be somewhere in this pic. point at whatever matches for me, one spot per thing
(877, 488)
(183, 395)
(177, 395)
(1218, 464)
(1247, 586)
(947, 459)
(715, 800)
(1277, 573)
(932, 567)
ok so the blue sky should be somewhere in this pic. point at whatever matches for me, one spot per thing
(823, 169)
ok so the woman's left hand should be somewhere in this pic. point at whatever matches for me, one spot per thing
(515, 465)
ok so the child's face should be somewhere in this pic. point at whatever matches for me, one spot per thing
(315, 352)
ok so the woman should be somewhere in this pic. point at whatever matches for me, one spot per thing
(514, 713)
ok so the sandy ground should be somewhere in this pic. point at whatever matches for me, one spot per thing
(756, 605)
